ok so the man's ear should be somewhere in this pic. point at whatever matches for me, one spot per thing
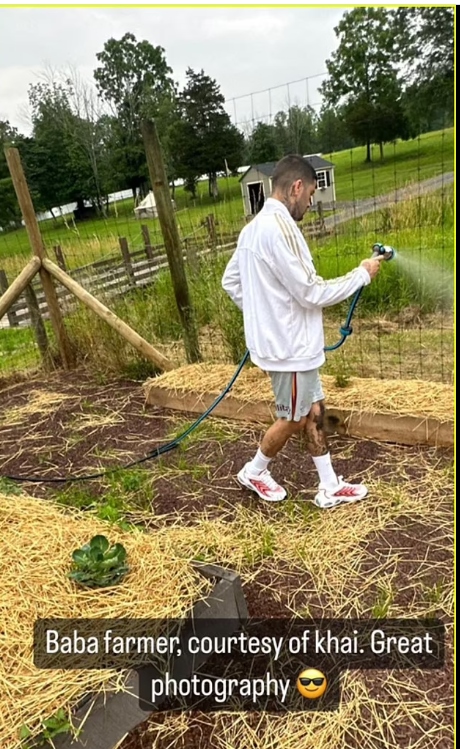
(297, 185)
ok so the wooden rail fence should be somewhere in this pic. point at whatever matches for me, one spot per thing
(108, 278)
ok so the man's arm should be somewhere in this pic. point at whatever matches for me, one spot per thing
(231, 281)
(298, 275)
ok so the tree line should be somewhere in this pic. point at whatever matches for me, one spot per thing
(391, 76)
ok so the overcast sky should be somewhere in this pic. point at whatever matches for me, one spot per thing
(244, 49)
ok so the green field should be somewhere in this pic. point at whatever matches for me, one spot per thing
(405, 162)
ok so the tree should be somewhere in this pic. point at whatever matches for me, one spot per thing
(425, 37)
(87, 130)
(263, 146)
(332, 132)
(59, 169)
(296, 130)
(204, 139)
(8, 137)
(187, 160)
(363, 76)
(10, 215)
(135, 80)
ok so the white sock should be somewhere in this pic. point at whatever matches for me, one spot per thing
(326, 473)
(259, 463)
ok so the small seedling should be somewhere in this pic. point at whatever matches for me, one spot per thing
(434, 594)
(382, 606)
(52, 727)
(99, 565)
(341, 380)
(9, 487)
(268, 539)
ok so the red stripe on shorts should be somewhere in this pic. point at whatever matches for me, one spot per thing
(293, 394)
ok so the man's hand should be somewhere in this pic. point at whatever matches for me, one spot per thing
(372, 265)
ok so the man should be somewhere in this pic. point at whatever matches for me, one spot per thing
(272, 279)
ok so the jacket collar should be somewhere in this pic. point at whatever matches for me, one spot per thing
(276, 206)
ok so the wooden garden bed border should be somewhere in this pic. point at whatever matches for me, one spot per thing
(382, 427)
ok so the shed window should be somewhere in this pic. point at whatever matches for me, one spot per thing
(323, 179)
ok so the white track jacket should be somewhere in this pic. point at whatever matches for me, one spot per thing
(272, 279)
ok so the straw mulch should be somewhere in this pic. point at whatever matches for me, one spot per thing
(37, 542)
(404, 714)
(342, 569)
(402, 397)
(39, 404)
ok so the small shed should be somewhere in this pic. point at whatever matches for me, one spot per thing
(256, 184)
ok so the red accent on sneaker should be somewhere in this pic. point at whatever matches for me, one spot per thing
(260, 486)
(346, 491)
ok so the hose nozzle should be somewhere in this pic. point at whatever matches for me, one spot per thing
(383, 250)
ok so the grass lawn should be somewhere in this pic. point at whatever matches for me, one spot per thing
(18, 351)
(87, 241)
(405, 161)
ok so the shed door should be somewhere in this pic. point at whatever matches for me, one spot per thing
(256, 196)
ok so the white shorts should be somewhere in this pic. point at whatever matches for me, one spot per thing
(295, 393)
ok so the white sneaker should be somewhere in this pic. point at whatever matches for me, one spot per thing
(263, 484)
(344, 492)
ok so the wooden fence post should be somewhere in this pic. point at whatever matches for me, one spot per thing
(11, 314)
(147, 243)
(28, 213)
(191, 255)
(211, 224)
(321, 224)
(39, 326)
(15, 289)
(171, 238)
(59, 257)
(127, 260)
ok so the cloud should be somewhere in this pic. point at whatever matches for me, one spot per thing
(244, 49)
(257, 26)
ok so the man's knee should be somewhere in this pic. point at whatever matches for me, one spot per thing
(292, 427)
(301, 424)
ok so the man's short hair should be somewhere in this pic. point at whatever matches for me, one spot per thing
(291, 168)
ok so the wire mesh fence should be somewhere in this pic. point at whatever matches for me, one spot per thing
(403, 327)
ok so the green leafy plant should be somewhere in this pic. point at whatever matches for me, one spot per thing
(52, 727)
(342, 380)
(9, 487)
(99, 565)
(382, 606)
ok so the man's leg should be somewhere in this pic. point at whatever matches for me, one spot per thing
(314, 430)
(291, 420)
(278, 434)
(318, 447)
(255, 474)
(332, 490)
